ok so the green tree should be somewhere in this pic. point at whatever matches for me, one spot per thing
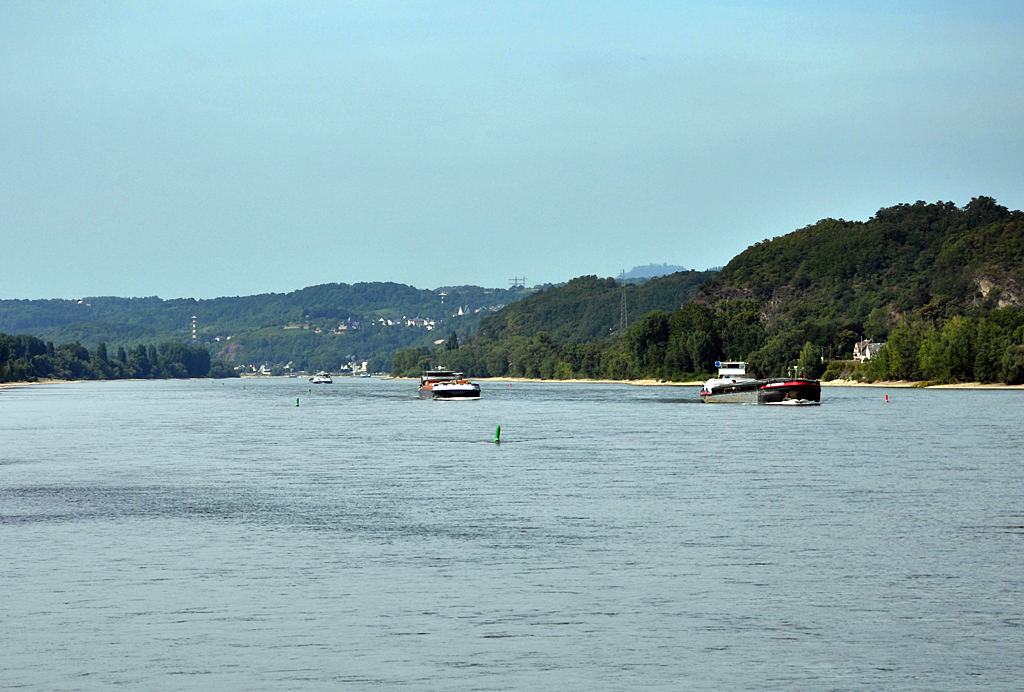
(990, 345)
(1013, 365)
(410, 362)
(809, 363)
(220, 369)
(701, 347)
(903, 345)
(959, 336)
(876, 327)
(138, 362)
(932, 357)
(646, 342)
(453, 342)
(678, 362)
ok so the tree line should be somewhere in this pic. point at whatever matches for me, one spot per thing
(985, 349)
(942, 280)
(677, 346)
(25, 358)
(683, 345)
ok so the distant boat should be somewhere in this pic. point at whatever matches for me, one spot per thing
(321, 378)
(732, 386)
(445, 384)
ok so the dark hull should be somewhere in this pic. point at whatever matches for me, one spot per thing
(764, 392)
(782, 391)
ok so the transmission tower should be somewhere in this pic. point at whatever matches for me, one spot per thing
(623, 319)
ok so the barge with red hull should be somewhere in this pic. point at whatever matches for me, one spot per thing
(732, 386)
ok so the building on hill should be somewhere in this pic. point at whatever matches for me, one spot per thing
(865, 350)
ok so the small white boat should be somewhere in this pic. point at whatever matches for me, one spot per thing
(321, 378)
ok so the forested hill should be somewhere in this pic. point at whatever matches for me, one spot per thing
(304, 326)
(588, 309)
(940, 284)
(870, 274)
(322, 305)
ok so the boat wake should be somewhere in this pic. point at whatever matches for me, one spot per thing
(792, 402)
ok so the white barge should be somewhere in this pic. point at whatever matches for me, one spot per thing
(445, 384)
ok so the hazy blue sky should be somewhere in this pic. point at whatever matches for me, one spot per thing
(231, 148)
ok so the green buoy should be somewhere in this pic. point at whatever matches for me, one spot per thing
(296, 401)
(497, 435)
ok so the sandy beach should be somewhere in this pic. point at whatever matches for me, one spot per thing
(920, 385)
(9, 385)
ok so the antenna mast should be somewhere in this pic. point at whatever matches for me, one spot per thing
(623, 320)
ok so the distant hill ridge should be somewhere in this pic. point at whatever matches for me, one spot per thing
(650, 271)
(299, 327)
(326, 301)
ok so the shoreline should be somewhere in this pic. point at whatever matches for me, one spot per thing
(887, 384)
(920, 384)
(890, 384)
(636, 383)
(12, 385)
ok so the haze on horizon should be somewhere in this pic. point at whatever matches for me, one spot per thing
(227, 148)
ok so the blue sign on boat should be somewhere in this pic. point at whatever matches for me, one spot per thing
(718, 363)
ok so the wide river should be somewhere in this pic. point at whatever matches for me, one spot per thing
(207, 535)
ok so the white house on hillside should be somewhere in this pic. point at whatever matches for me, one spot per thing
(865, 350)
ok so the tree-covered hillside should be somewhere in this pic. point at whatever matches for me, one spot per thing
(319, 327)
(835, 282)
(903, 258)
(942, 283)
(589, 309)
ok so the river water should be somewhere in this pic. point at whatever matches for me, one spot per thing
(213, 535)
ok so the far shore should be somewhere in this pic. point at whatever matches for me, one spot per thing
(890, 384)
(8, 385)
(893, 384)
(638, 383)
(901, 384)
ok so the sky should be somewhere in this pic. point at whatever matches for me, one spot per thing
(233, 148)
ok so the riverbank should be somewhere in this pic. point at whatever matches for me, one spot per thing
(892, 384)
(900, 384)
(638, 383)
(11, 385)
